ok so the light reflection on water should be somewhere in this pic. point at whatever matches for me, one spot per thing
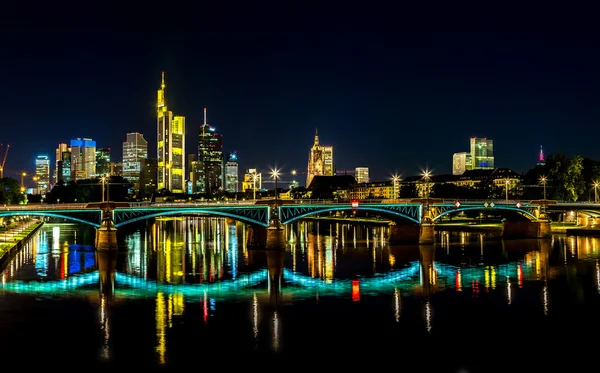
(199, 269)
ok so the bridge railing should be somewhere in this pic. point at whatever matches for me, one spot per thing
(59, 206)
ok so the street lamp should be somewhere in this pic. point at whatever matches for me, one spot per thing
(544, 181)
(23, 174)
(596, 185)
(275, 173)
(427, 177)
(395, 180)
(254, 176)
(506, 189)
(294, 177)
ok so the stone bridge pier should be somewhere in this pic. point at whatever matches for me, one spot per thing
(106, 234)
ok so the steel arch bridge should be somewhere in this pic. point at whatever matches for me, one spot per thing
(260, 215)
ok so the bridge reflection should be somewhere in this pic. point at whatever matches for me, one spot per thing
(183, 261)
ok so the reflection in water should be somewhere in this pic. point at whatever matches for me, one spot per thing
(185, 266)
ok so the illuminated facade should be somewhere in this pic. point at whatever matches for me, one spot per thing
(461, 162)
(252, 181)
(482, 154)
(135, 150)
(362, 175)
(171, 145)
(116, 168)
(42, 173)
(231, 173)
(59, 152)
(320, 161)
(83, 158)
(102, 162)
(64, 166)
(210, 159)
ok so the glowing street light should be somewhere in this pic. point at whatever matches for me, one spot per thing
(544, 181)
(427, 176)
(23, 174)
(254, 177)
(596, 185)
(395, 181)
(275, 173)
(506, 188)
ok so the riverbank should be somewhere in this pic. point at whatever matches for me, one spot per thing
(13, 239)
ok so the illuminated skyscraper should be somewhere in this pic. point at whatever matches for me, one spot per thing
(482, 154)
(135, 150)
(64, 166)
(83, 158)
(320, 161)
(252, 181)
(231, 173)
(102, 162)
(210, 159)
(461, 162)
(59, 152)
(362, 175)
(42, 173)
(171, 145)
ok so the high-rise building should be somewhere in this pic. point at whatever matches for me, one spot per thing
(210, 159)
(362, 175)
(541, 158)
(135, 150)
(148, 177)
(231, 173)
(42, 173)
(62, 147)
(171, 145)
(83, 158)
(102, 162)
(64, 166)
(482, 153)
(116, 168)
(320, 161)
(252, 181)
(461, 162)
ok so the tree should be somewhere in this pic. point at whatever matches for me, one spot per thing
(409, 191)
(574, 182)
(10, 192)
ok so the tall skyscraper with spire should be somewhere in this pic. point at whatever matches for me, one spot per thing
(210, 159)
(320, 160)
(171, 145)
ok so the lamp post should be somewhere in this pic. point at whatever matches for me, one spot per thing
(506, 188)
(23, 174)
(294, 177)
(596, 185)
(395, 180)
(103, 179)
(254, 176)
(544, 181)
(275, 173)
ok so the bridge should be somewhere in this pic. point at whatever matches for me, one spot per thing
(408, 217)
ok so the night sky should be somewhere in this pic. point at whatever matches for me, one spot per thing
(392, 100)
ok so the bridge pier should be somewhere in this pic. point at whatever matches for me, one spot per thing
(404, 233)
(106, 235)
(527, 229)
(428, 275)
(275, 268)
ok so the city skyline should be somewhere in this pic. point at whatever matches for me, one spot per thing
(377, 116)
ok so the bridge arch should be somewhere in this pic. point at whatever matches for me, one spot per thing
(378, 209)
(192, 212)
(49, 215)
(520, 211)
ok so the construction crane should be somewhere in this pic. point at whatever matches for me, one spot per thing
(3, 160)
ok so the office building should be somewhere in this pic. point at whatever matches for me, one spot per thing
(210, 159)
(252, 181)
(320, 161)
(461, 162)
(83, 158)
(62, 147)
(64, 166)
(135, 150)
(231, 173)
(170, 145)
(116, 168)
(148, 177)
(482, 154)
(42, 173)
(362, 175)
(102, 162)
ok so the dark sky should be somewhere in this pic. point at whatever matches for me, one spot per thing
(394, 100)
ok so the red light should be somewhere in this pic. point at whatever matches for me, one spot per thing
(355, 290)
(354, 203)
